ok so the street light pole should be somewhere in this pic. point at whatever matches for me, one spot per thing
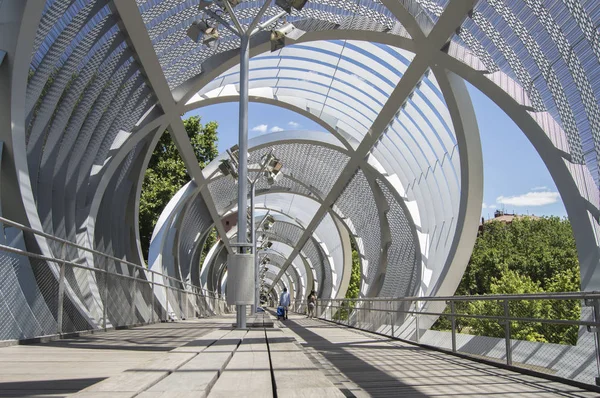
(243, 159)
(253, 240)
(244, 247)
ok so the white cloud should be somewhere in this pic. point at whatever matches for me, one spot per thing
(544, 188)
(294, 124)
(484, 206)
(276, 129)
(492, 207)
(261, 128)
(530, 199)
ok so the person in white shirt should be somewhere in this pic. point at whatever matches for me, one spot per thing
(284, 301)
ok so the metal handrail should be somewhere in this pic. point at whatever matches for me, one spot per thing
(475, 316)
(529, 296)
(380, 315)
(75, 245)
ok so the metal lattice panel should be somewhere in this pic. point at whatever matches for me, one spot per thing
(194, 225)
(80, 144)
(357, 203)
(313, 165)
(555, 43)
(287, 231)
(403, 272)
(321, 266)
(180, 58)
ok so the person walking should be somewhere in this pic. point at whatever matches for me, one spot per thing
(312, 303)
(284, 301)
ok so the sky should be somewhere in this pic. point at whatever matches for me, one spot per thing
(515, 178)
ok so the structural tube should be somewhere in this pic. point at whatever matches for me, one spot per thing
(243, 160)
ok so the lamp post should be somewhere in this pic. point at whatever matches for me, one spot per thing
(206, 32)
(270, 167)
(256, 259)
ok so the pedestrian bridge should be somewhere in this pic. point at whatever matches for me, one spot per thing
(297, 358)
(393, 173)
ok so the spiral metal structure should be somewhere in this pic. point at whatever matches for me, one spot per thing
(87, 87)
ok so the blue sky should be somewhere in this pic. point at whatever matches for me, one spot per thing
(515, 178)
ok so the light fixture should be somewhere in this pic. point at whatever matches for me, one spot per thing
(279, 35)
(205, 3)
(287, 5)
(202, 32)
(227, 168)
(266, 245)
(273, 172)
(234, 3)
(268, 223)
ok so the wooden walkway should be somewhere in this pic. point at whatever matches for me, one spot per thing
(297, 358)
(60, 368)
(366, 364)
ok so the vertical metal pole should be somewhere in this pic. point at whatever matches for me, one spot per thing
(596, 329)
(61, 293)
(417, 309)
(243, 155)
(133, 287)
(104, 307)
(392, 320)
(453, 320)
(507, 333)
(253, 239)
(187, 303)
(166, 298)
(152, 300)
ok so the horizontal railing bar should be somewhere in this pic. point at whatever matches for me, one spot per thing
(76, 265)
(69, 243)
(476, 316)
(549, 295)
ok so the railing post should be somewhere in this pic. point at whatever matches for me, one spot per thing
(507, 333)
(61, 293)
(166, 299)
(152, 300)
(418, 333)
(187, 303)
(105, 294)
(133, 287)
(349, 312)
(595, 304)
(453, 320)
(390, 313)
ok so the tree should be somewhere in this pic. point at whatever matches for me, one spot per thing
(353, 286)
(540, 248)
(166, 173)
(528, 255)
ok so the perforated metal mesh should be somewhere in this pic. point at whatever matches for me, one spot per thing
(181, 58)
(195, 224)
(528, 40)
(315, 166)
(403, 271)
(357, 203)
(312, 253)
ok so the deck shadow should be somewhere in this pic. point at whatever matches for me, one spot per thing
(372, 380)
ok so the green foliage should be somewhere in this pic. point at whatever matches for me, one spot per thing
(538, 247)
(210, 241)
(529, 255)
(166, 173)
(354, 285)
